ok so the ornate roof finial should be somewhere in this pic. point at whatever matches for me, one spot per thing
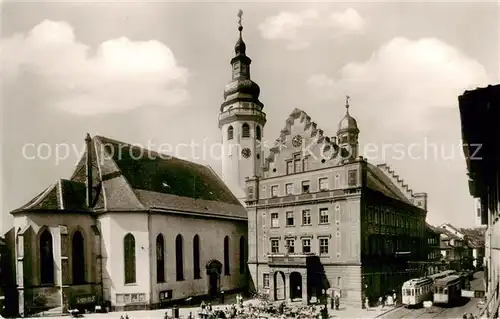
(347, 97)
(240, 26)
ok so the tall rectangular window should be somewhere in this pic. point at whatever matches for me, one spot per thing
(290, 220)
(298, 166)
(265, 280)
(353, 178)
(305, 187)
(275, 246)
(306, 217)
(289, 189)
(290, 243)
(289, 167)
(323, 246)
(306, 246)
(323, 184)
(274, 191)
(323, 215)
(305, 164)
(274, 220)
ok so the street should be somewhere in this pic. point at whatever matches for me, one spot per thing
(467, 306)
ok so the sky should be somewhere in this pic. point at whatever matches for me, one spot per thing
(153, 73)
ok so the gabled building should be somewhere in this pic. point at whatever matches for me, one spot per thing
(320, 217)
(130, 228)
(434, 255)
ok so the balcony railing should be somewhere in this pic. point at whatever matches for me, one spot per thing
(241, 111)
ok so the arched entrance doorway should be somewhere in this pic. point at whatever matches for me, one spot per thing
(295, 285)
(214, 269)
(279, 285)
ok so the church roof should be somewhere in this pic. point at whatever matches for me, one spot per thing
(131, 178)
(62, 195)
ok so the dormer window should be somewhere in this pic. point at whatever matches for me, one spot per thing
(230, 133)
(258, 134)
(245, 131)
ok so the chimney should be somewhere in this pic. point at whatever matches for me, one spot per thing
(88, 142)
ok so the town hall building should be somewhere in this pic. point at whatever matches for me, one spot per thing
(321, 219)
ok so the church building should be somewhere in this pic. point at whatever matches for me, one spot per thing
(130, 228)
(321, 219)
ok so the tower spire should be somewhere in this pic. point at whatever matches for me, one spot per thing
(240, 26)
(347, 98)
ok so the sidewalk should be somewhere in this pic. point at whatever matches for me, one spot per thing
(348, 312)
(343, 312)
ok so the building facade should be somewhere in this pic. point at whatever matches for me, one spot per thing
(131, 229)
(480, 114)
(321, 219)
(434, 256)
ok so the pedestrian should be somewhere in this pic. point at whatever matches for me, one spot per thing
(464, 316)
(126, 316)
(121, 317)
(367, 303)
(202, 305)
(222, 296)
(166, 315)
(337, 302)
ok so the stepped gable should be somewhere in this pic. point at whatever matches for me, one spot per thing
(310, 128)
(130, 178)
(400, 184)
(380, 182)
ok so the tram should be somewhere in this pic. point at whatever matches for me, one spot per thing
(464, 280)
(416, 291)
(447, 290)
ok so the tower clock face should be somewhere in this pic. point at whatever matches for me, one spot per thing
(246, 152)
(297, 141)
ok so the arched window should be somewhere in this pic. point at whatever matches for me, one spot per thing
(245, 130)
(226, 255)
(78, 258)
(179, 264)
(160, 258)
(258, 134)
(230, 133)
(46, 259)
(196, 257)
(242, 255)
(129, 258)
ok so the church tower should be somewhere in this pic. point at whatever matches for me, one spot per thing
(241, 122)
(347, 135)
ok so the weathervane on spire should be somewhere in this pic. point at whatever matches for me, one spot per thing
(240, 14)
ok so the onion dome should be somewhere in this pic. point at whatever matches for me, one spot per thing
(245, 86)
(348, 123)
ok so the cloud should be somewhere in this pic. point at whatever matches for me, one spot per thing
(297, 28)
(121, 75)
(404, 82)
(348, 20)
